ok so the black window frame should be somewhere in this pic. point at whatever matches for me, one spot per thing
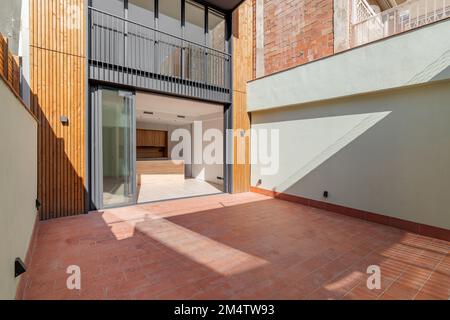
(207, 9)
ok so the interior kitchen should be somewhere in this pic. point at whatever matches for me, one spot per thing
(165, 149)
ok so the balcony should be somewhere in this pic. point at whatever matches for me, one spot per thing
(127, 53)
(370, 26)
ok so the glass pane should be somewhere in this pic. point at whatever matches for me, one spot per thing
(141, 45)
(170, 16)
(142, 11)
(117, 157)
(195, 23)
(115, 7)
(216, 30)
(194, 56)
(169, 48)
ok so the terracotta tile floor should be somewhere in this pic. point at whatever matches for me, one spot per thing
(242, 246)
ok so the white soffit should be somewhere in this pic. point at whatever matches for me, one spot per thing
(156, 108)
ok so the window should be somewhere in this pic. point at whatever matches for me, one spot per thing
(170, 16)
(142, 11)
(216, 30)
(115, 7)
(194, 29)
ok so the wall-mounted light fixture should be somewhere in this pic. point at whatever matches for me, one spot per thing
(19, 267)
(64, 120)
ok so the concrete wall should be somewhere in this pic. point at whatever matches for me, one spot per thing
(18, 185)
(386, 153)
(416, 57)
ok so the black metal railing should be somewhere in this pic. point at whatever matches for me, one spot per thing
(126, 52)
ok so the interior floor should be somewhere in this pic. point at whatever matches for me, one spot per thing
(172, 134)
(165, 187)
(114, 192)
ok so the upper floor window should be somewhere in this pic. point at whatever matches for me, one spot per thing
(194, 27)
(115, 7)
(216, 30)
(170, 16)
(142, 11)
(199, 24)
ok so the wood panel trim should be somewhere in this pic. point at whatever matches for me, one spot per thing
(57, 81)
(414, 227)
(242, 37)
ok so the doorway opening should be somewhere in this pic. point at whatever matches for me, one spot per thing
(149, 147)
(179, 148)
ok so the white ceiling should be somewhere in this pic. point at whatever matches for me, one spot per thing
(173, 111)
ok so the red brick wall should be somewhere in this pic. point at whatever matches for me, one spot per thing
(296, 32)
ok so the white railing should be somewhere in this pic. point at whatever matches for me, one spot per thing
(362, 11)
(409, 15)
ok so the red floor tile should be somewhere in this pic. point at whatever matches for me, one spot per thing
(244, 246)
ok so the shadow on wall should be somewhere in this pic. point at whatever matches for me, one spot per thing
(385, 153)
(61, 190)
(438, 70)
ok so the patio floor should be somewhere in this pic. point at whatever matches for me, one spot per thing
(243, 246)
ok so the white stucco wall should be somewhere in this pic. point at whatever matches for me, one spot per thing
(416, 57)
(387, 153)
(18, 186)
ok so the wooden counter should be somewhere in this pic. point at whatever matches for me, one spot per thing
(163, 167)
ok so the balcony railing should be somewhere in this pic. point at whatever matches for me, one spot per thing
(362, 11)
(407, 16)
(125, 52)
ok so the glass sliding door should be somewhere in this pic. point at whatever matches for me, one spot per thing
(114, 152)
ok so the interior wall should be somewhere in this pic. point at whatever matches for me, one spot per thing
(386, 153)
(170, 129)
(18, 186)
(209, 172)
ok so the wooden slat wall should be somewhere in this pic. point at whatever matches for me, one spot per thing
(242, 72)
(10, 70)
(57, 61)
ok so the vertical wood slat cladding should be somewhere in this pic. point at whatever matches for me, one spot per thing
(57, 61)
(242, 73)
(9, 66)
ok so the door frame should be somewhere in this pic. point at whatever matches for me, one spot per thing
(96, 146)
(96, 151)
